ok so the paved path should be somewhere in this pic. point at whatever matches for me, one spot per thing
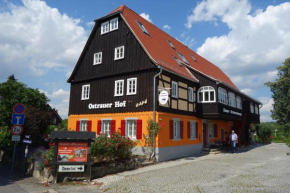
(260, 169)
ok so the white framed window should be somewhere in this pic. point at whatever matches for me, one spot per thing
(193, 129)
(83, 125)
(113, 24)
(142, 27)
(256, 109)
(178, 62)
(98, 58)
(119, 52)
(190, 94)
(131, 128)
(106, 127)
(222, 96)
(252, 107)
(206, 94)
(85, 92)
(174, 89)
(176, 129)
(105, 27)
(182, 57)
(239, 102)
(170, 43)
(232, 99)
(131, 86)
(119, 87)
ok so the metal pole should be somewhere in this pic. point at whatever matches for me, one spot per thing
(154, 113)
(13, 156)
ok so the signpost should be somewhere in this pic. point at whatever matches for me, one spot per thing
(17, 120)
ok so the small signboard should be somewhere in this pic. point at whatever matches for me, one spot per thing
(71, 168)
(163, 97)
(27, 141)
(72, 152)
(15, 137)
(18, 119)
(19, 108)
(16, 129)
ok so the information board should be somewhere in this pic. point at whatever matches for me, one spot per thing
(72, 152)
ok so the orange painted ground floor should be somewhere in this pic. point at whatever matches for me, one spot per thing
(179, 136)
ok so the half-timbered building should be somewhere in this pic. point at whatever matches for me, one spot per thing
(127, 60)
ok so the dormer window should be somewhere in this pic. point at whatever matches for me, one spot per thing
(109, 26)
(178, 62)
(172, 46)
(182, 57)
(143, 28)
(193, 57)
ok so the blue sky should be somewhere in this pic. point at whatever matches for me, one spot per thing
(40, 41)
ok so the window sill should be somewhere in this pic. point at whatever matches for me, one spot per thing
(176, 139)
(118, 95)
(105, 33)
(85, 99)
(193, 139)
(118, 58)
(97, 64)
(131, 93)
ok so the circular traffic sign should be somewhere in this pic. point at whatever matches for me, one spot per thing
(19, 108)
(16, 129)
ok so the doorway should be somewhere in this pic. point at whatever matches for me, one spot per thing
(204, 135)
(223, 134)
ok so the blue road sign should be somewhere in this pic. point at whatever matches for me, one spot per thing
(18, 119)
(19, 108)
(27, 141)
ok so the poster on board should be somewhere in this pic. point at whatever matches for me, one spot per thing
(72, 152)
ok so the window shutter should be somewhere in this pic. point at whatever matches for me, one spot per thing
(113, 127)
(123, 123)
(139, 129)
(89, 126)
(99, 129)
(215, 130)
(196, 130)
(171, 130)
(181, 129)
(78, 126)
(188, 129)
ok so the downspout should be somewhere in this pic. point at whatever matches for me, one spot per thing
(154, 111)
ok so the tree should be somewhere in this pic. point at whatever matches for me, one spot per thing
(281, 95)
(38, 115)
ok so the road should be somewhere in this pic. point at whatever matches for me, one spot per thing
(258, 169)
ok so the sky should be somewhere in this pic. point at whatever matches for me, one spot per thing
(41, 41)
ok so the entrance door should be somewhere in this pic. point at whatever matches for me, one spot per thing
(204, 135)
(223, 134)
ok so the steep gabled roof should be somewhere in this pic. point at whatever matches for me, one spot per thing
(160, 51)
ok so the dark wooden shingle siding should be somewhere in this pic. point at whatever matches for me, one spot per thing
(102, 91)
(135, 57)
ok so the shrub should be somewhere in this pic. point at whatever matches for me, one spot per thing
(43, 157)
(263, 132)
(111, 148)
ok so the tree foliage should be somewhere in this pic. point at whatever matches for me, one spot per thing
(281, 95)
(38, 115)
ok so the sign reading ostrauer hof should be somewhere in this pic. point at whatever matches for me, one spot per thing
(163, 97)
(72, 152)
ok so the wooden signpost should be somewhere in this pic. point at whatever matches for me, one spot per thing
(72, 154)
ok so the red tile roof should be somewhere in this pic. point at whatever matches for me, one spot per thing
(162, 53)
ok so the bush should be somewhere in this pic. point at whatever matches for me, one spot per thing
(43, 157)
(5, 136)
(111, 148)
(264, 132)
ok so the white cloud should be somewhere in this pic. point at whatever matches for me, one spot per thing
(90, 24)
(255, 45)
(60, 94)
(166, 27)
(248, 91)
(265, 110)
(146, 16)
(36, 38)
(62, 108)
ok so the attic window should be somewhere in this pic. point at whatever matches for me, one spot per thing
(193, 57)
(182, 57)
(172, 46)
(143, 28)
(177, 61)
